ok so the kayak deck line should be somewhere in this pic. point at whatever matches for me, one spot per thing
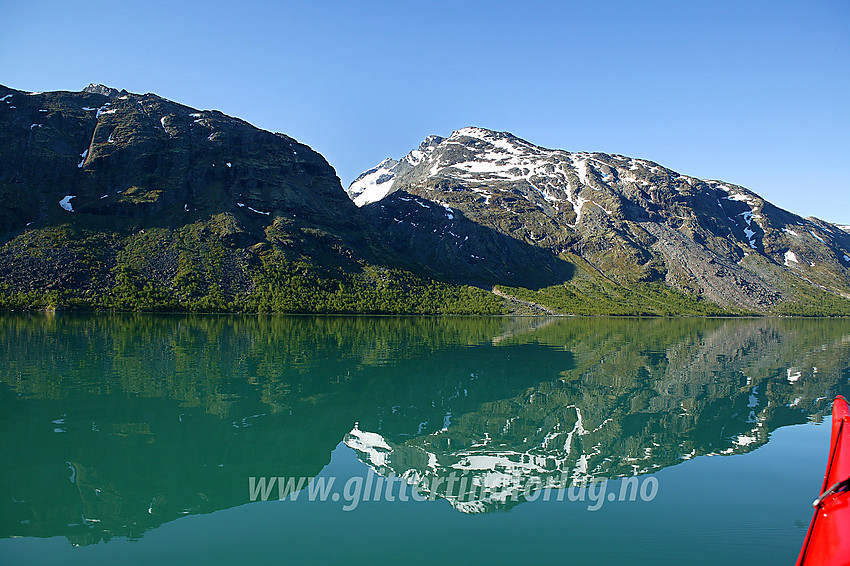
(839, 487)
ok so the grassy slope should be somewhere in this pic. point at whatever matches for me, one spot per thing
(185, 269)
(590, 293)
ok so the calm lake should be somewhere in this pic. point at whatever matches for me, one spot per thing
(145, 439)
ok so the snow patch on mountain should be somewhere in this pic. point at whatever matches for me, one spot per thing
(790, 256)
(105, 110)
(377, 182)
(448, 209)
(66, 203)
(751, 216)
(374, 184)
(165, 129)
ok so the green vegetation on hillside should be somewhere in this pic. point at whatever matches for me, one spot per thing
(590, 293)
(196, 268)
(297, 287)
(651, 299)
(812, 301)
(278, 286)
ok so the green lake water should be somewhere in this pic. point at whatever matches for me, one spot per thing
(143, 439)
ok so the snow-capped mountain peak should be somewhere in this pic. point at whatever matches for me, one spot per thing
(377, 182)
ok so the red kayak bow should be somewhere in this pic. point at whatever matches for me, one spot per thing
(828, 539)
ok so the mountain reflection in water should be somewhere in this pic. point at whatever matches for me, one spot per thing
(118, 424)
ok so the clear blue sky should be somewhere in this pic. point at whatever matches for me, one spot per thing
(755, 93)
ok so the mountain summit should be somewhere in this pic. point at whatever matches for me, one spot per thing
(620, 219)
(104, 90)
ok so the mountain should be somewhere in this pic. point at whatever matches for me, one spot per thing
(110, 199)
(491, 209)
(121, 201)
